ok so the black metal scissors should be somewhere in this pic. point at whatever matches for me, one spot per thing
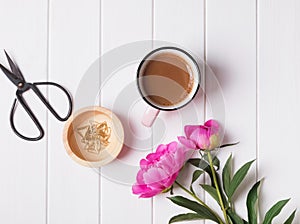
(16, 77)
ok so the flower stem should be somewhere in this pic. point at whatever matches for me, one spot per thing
(217, 187)
(200, 201)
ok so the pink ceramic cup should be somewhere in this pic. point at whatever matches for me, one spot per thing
(154, 108)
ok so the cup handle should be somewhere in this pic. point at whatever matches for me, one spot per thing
(149, 116)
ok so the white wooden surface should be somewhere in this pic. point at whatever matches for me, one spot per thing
(253, 48)
(231, 52)
(278, 101)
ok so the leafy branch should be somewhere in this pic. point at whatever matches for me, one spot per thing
(222, 191)
(159, 172)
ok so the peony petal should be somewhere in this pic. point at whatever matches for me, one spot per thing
(172, 147)
(161, 148)
(159, 170)
(189, 129)
(168, 168)
(199, 136)
(213, 126)
(180, 159)
(138, 189)
(171, 165)
(151, 193)
(212, 123)
(154, 176)
(140, 177)
(144, 163)
(171, 180)
(152, 157)
(186, 142)
(167, 163)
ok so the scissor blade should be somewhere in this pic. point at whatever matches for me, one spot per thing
(14, 68)
(15, 80)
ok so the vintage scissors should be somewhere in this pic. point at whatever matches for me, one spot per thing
(16, 77)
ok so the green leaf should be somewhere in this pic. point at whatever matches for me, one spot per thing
(235, 218)
(194, 206)
(274, 211)
(252, 203)
(229, 219)
(216, 161)
(226, 175)
(202, 164)
(186, 217)
(196, 175)
(212, 191)
(195, 162)
(238, 178)
(291, 218)
(229, 144)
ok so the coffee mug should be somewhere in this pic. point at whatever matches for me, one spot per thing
(168, 78)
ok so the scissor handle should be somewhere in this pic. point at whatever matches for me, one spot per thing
(22, 101)
(47, 104)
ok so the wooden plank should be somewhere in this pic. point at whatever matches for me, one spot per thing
(179, 23)
(74, 45)
(124, 22)
(231, 53)
(278, 95)
(23, 164)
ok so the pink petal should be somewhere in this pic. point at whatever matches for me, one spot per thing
(186, 142)
(180, 159)
(167, 167)
(154, 176)
(171, 180)
(171, 167)
(189, 129)
(199, 136)
(167, 163)
(213, 125)
(160, 169)
(144, 163)
(161, 148)
(152, 157)
(138, 189)
(140, 177)
(151, 193)
(172, 147)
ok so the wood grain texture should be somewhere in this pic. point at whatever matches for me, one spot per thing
(179, 23)
(278, 94)
(23, 164)
(119, 29)
(73, 190)
(231, 53)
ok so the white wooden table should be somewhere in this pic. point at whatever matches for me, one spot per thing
(253, 48)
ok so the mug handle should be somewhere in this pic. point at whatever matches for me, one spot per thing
(150, 116)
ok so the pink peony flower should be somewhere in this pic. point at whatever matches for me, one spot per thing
(204, 137)
(159, 170)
